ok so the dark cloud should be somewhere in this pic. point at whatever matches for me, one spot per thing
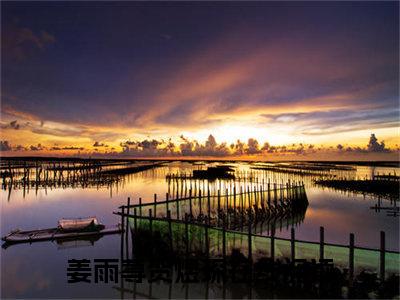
(57, 148)
(186, 147)
(375, 146)
(18, 43)
(211, 147)
(148, 148)
(72, 148)
(189, 147)
(39, 147)
(20, 148)
(266, 146)
(239, 148)
(98, 144)
(5, 146)
(12, 125)
(253, 146)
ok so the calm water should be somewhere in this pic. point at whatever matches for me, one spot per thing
(39, 270)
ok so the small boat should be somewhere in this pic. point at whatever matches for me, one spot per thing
(67, 229)
(213, 173)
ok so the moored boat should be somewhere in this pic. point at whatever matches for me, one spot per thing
(67, 229)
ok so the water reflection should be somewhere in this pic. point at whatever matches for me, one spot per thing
(339, 212)
(344, 211)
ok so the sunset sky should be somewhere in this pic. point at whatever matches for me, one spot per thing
(100, 77)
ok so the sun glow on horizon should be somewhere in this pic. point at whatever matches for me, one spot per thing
(230, 133)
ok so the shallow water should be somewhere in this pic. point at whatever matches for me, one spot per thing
(39, 270)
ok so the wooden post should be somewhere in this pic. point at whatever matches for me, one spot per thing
(226, 199)
(123, 218)
(382, 256)
(177, 177)
(190, 203)
(241, 198)
(321, 242)
(135, 219)
(127, 225)
(185, 178)
(351, 256)
(255, 197)
(208, 206)
(123, 230)
(224, 240)
(200, 210)
(234, 198)
(167, 202)
(273, 241)
(155, 205)
(177, 209)
(249, 198)
(219, 200)
(140, 207)
(206, 240)
(292, 241)
(169, 228)
(187, 235)
(151, 221)
(129, 204)
(249, 238)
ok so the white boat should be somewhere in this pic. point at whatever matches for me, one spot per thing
(67, 229)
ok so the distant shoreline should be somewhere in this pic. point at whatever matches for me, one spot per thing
(380, 163)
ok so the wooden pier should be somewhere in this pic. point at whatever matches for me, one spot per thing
(217, 239)
(320, 170)
(177, 247)
(199, 217)
(63, 173)
(387, 188)
(234, 206)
